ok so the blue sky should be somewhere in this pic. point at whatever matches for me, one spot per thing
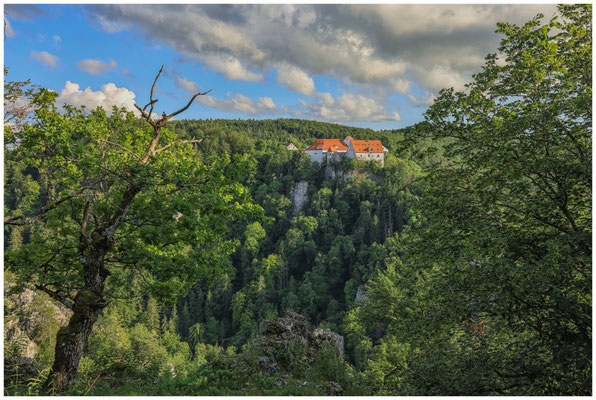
(376, 66)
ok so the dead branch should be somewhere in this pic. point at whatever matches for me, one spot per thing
(152, 102)
(188, 105)
(159, 123)
(165, 117)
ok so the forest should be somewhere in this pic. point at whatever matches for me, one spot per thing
(167, 256)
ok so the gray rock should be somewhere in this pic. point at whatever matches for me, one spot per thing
(325, 337)
(360, 296)
(331, 388)
(299, 196)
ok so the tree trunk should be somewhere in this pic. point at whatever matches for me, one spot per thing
(71, 341)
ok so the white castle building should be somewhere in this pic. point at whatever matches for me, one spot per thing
(334, 149)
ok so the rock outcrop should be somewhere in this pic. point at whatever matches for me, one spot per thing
(287, 340)
(360, 295)
(325, 337)
(299, 196)
(26, 314)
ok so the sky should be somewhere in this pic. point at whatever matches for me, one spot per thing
(374, 66)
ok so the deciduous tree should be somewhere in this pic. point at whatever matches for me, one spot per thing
(118, 194)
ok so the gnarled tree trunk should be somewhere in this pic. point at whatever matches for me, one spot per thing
(71, 341)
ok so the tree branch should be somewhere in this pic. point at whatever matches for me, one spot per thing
(158, 124)
(178, 142)
(152, 102)
(107, 231)
(188, 105)
(21, 220)
(56, 296)
(122, 147)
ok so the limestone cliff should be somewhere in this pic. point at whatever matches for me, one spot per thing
(299, 196)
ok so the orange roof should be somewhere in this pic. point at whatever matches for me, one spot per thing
(331, 145)
(367, 146)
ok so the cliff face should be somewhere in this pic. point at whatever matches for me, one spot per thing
(30, 319)
(299, 196)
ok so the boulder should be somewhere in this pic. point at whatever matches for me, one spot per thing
(288, 340)
(325, 337)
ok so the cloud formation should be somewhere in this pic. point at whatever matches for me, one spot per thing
(424, 100)
(108, 96)
(8, 29)
(26, 12)
(295, 79)
(186, 84)
(45, 58)
(349, 107)
(230, 67)
(240, 103)
(381, 47)
(96, 67)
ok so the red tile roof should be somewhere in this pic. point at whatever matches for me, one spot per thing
(367, 146)
(331, 145)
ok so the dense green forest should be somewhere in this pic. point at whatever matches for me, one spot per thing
(201, 257)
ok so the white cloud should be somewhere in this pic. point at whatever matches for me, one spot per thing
(45, 58)
(439, 77)
(108, 25)
(381, 49)
(186, 84)
(402, 86)
(295, 79)
(327, 98)
(8, 28)
(425, 100)
(231, 68)
(348, 107)
(266, 103)
(240, 103)
(96, 67)
(407, 19)
(108, 96)
(57, 39)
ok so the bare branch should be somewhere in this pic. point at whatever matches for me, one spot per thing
(158, 124)
(188, 105)
(141, 110)
(152, 102)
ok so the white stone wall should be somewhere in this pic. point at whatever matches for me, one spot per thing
(380, 157)
(315, 155)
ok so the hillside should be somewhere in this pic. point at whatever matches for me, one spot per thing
(146, 255)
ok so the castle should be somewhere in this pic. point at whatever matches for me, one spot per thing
(335, 149)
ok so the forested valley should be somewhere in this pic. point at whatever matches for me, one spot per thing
(202, 257)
